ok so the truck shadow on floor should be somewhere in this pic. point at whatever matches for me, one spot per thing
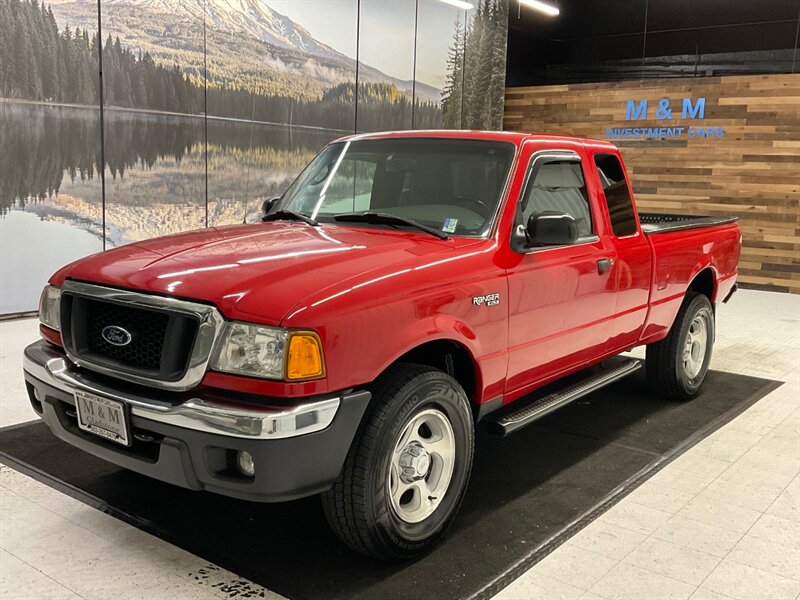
(524, 489)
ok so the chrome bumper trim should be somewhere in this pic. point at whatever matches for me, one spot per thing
(45, 364)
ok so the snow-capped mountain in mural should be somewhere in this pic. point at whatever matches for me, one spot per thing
(252, 17)
(247, 41)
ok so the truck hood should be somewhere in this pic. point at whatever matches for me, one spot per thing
(258, 272)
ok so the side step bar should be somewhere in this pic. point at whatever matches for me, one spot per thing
(537, 408)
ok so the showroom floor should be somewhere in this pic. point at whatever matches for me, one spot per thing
(721, 521)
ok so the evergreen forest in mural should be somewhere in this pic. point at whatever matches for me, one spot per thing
(39, 62)
(476, 70)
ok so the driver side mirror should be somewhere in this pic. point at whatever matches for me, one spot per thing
(268, 205)
(551, 228)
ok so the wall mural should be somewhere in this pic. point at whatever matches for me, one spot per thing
(209, 106)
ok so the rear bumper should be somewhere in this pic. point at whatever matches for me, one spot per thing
(297, 450)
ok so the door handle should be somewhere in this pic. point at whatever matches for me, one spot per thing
(604, 264)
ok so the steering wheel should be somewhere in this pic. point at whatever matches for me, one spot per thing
(482, 208)
(322, 175)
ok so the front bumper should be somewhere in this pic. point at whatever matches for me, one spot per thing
(297, 449)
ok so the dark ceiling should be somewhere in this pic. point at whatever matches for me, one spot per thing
(600, 40)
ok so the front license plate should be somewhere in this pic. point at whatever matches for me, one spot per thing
(103, 417)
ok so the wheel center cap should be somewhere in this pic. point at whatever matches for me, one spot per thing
(422, 464)
(415, 462)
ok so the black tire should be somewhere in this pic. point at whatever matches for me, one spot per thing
(358, 506)
(667, 372)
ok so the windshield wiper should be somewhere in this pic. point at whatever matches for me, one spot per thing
(289, 215)
(377, 218)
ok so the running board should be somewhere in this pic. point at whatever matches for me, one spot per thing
(537, 408)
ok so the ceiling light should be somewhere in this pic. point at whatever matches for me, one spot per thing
(459, 4)
(547, 9)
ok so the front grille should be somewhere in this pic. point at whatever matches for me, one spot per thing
(148, 329)
(161, 339)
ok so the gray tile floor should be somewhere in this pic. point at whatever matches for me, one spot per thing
(722, 521)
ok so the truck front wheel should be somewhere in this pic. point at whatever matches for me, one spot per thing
(407, 470)
(677, 365)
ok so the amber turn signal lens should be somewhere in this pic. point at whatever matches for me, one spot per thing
(305, 356)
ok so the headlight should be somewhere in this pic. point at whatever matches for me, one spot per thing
(50, 307)
(269, 352)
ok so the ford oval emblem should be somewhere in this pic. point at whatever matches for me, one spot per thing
(116, 336)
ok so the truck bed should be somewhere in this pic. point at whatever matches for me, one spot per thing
(660, 223)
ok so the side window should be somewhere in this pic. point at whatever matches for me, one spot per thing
(559, 185)
(618, 196)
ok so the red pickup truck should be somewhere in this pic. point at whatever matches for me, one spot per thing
(405, 288)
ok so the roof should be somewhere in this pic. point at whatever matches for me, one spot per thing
(499, 136)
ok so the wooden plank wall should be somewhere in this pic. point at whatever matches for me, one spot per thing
(753, 172)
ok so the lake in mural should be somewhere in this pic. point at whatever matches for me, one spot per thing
(51, 205)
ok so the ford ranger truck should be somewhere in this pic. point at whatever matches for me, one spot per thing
(405, 288)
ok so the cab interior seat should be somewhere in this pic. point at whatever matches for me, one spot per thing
(560, 187)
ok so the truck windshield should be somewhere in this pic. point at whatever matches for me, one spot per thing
(453, 186)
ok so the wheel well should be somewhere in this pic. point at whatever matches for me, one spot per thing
(450, 357)
(703, 283)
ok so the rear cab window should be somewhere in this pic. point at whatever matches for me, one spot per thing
(617, 193)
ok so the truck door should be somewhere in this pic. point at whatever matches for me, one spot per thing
(560, 298)
(632, 273)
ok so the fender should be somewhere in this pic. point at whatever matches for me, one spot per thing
(440, 328)
(401, 334)
(678, 259)
(487, 371)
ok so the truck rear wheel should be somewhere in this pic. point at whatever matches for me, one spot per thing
(407, 471)
(677, 365)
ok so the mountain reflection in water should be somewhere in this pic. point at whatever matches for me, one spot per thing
(155, 180)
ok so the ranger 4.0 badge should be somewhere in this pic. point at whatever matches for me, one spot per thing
(488, 300)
